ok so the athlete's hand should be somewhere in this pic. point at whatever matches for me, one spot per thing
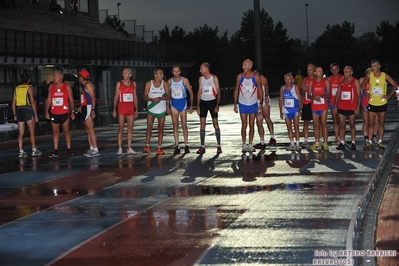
(36, 118)
(357, 111)
(190, 111)
(136, 114)
(216, 109)
(47, 116)
(335, 110)
(73, 116)
(168, 111)
(235, 109)
(114, 114)
(198, 110)
(281, 116)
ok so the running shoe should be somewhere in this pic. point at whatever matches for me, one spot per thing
(87, 153)
(290, 148)
(177, 150)
(119, 152)
(54, 154)
(146, 149)
(297, 147)
(244, 148)
(380, 146)
(160, 151)
(94, 153)
(325, 146)
(315, 146)
(70, 154)
(201, 150)
(260, 146)
(22, 154)
(353, 146)
(305, 144)
(368, 146)
(186, 149)
(341, 146)
(272, 141)
(250, 148)
(131, 152)
(36, 153)
(219, 149)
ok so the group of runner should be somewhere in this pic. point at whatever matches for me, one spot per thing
(345, 96)
(309, 98)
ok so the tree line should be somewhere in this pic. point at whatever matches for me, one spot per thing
(282, 54)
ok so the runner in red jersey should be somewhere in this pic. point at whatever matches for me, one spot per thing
(59, 108)
(334, 80)
(306, 104)
(126, 101)
(347, 104)
(319, 91)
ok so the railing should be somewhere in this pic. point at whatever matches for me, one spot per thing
(29, 44)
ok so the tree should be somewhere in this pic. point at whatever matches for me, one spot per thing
(388, 47)
(336, 44)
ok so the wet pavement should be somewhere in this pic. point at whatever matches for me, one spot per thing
(281, 207)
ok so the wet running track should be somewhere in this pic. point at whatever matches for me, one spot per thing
(279, 208)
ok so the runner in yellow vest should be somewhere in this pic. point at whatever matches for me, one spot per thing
(24, 110)
(378, 97)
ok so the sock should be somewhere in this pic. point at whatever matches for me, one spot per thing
(34, 149)
(292, 143)
(202, 136)
(297, 142)
(262, 141)
(366, 138)
(91, 148)
(21, 150)
(95, 149)
(272, 136)
(217, 133)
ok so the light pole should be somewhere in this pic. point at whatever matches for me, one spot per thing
(307, 31)
(118, 4)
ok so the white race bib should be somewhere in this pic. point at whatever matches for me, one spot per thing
(376, 91)
(127, 97)
(247, 90)
(177, 93)
(321, 101)
(207, 90)
(58, 101)
(289, 103)
(334, 91)
(346, 95)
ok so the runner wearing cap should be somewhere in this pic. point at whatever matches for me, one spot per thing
(87, 108)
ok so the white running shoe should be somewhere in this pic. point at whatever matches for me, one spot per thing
(131, 152)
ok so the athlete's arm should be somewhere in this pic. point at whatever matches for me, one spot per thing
(359, 100)
(146, 91)
(236, 91)
(71, 102)
(280, 102)
(47, 104)
(393, 83)
(135, 101)
(33, 103)
(219, 95)
(13, 106)
(199, 95)
(116, 96)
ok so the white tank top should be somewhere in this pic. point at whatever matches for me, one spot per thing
(248, 94)
(208, 89)
(156, 107)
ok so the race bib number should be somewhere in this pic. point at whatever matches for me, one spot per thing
(58, 101)
(376, 91)
(289, 103)
(177, 93)
(207, 90)
(247, 90)
(346, 95)
(334, 91)
(317, 102)
(127, 97)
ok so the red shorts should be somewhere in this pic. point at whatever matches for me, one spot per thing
(126, 109)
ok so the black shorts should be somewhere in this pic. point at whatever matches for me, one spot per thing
(206, 106)
(306, 112)
(377, 109)
(59, 119)
(24, 113)
(346, 112)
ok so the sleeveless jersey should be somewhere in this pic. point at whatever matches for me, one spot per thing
(319, 88)
(378, 88)
(208, 89)
(365, 100)
(178, 89)
(290, 100)
(85, 98)
(248, 94)
(306, 99)
(334, 86)
(298, 81)
(348, 97)
(22, 96)
(156, 107)
(59, 99)
(126, 92)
